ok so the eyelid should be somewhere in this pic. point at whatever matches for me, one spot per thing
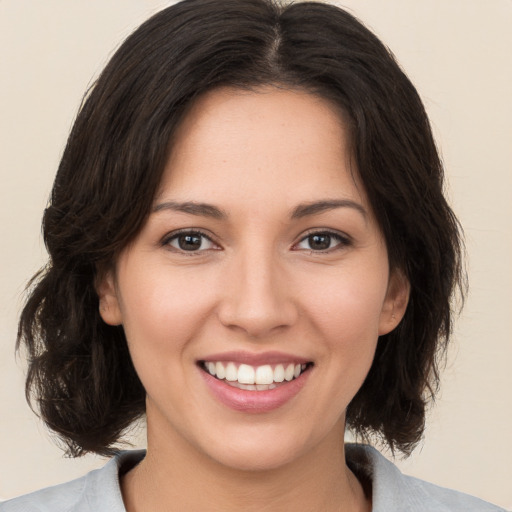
(165, 241)
(344, 239)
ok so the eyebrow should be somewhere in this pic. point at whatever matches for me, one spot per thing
(317, 207)
(300, 211)
(193, 208)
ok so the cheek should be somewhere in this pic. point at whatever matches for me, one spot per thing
(162, 310)
(343, 309)
(347, 304)
(346, 311)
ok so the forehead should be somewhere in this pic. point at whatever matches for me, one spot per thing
(240, 143)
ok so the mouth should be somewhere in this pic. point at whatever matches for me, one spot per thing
(247, 377)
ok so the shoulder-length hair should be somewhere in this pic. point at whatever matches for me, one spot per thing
(80, 373)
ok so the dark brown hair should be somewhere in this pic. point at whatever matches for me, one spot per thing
(80, 373)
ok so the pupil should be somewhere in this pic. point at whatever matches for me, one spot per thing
(189, 242)
(319, 242)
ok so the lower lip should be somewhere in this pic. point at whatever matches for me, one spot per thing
(254, 401)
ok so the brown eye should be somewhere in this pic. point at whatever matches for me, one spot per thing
(190, 242)
(323, 242)
(319, 242)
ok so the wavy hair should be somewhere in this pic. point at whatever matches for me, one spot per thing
(81, 378)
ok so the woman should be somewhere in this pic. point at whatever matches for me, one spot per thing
(248, 245)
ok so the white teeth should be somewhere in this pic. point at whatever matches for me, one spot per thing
(252, 387)
(220, 371)
(264, 375)
(288, 373)
(231, 372)
(247, 387)
(246, 374)
(279, 373)
(255, 378)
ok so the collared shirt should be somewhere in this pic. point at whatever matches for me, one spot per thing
(99, 490)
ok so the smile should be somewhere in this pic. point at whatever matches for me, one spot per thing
(254, 378)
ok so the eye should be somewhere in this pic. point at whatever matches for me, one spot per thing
(323, 241)
(189, 241)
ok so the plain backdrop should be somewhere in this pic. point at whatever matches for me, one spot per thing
(457, 52)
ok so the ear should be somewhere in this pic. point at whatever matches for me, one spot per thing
(107, 292)
(395, 303)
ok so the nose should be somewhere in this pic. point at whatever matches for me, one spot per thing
(257, 297)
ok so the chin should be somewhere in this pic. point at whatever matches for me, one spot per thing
(254, 457)
(261, 447)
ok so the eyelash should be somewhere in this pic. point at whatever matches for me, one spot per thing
(343, 241)
(166, 242)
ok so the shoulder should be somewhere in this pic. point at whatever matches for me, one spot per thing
(97, 491)
(394, 491)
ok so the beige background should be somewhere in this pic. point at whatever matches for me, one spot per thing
(458, 54)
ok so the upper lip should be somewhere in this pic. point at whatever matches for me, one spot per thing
(255, 359)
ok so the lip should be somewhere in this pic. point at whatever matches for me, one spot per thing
(255, 359)
(254, 402)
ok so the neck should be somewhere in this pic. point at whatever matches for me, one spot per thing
(174, 477)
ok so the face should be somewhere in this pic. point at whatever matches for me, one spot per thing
(253, 297)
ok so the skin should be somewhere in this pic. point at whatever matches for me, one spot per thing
(255, 284)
